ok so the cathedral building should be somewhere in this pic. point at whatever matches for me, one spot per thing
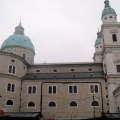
(62, 91)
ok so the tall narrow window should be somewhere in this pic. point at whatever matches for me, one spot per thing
(32, 90)
(114, 37)
(72, 89)
(118, 68)
(52, 89)
(24, 55)
(10, 87)
(11, 69)
(93, 88)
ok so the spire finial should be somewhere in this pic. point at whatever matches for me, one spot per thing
(20, 20)
(107, 3)
(98, 34)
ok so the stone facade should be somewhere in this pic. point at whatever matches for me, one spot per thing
(63, 90)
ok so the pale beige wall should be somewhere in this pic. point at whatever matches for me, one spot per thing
(19, 51)
(63, 98)
(27, 97)
(97, 58)
(108, 31)
(15, 97)
(117, 98)
(65, 69)
(5, 61)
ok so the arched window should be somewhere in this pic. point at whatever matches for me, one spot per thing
(114, 37)
(94, 103)
(52, 104)
(9, 102)
(73, 104)
(31, 104)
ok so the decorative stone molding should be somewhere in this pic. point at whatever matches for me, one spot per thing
(108, 51)
(116, 55)
(113, 31)
(116, 60)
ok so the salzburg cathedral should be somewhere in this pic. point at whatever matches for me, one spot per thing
(61, 91)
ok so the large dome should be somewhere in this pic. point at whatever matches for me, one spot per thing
(18, 40)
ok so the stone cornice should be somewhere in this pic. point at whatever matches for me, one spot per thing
(113, 76)
(9, 76)
(16, 46)
(48, 65)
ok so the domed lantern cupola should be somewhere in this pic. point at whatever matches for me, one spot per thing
(98, 43)
(19, 29)
(108, 14)
(19, 44)
(98, 48)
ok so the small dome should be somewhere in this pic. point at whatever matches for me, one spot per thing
(98, 41)
(18, 40)
(108, 10)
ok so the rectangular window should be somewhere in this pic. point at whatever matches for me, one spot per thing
(11, 87)
(12, 69)
(72, 89)
(52, 89)
(32, 90)
(8, 87)
(93, 88)
(24, 55)
(118, 68)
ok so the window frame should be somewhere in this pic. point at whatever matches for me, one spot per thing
(31, 106)
(94, 106)
(94, 88)
(117, 68)
(11, 87)
(12, 69)
(55, 71)
(52, 107)
(52, 90)
(9, 105)
(73, 106)
(114, 35)
(12, 60)
(24, 56)
(72, 89)
(31, 90)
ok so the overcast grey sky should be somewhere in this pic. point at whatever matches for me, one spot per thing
(61, 30)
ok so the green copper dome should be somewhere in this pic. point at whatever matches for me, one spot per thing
(108, 9)
(18, 40)
(98, 41)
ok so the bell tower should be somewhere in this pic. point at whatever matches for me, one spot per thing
(110, 33)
